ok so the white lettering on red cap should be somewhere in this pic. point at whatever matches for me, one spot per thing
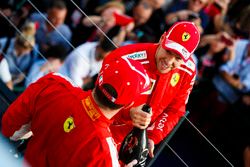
(175, 46)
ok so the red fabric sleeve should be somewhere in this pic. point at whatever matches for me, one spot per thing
(20, 111)
(164, 123)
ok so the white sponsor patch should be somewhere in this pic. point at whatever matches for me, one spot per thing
(173, 45)
(137, 55)
(161, 123)
(190, 65)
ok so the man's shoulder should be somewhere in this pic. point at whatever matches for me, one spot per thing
(134, 51)
(57, 77)
(64, 28)
(188, 67)
(37, 17)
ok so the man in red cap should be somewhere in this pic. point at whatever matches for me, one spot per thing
(70, 127)
(172, 74)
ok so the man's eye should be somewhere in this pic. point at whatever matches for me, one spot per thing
(178, 58)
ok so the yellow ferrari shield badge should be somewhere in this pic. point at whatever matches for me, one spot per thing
(69, 124)
(174, 79)
(185, 36)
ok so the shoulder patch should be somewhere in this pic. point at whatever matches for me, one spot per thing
(90, 108)
(175, 79)
(190, 65)
(137, 55)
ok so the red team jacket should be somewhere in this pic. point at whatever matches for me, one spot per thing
(168, 95)
(69, 129)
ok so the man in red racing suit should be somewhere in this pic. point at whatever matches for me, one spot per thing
(71, 127)
(172, 75)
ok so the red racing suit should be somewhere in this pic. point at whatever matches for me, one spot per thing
(168, 94)
(68, 127)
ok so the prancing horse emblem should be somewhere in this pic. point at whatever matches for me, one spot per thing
(185, 36)
(69, 124)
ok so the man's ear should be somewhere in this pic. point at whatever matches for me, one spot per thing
(162, 37)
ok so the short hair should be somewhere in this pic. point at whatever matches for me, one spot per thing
(105, 43)
(59, 4)
(103, 100)
(25, 41)
(56, 51)
(243, 20)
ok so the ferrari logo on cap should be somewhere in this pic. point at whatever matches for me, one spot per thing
(69, 124)
(185, 36)
(174, 79)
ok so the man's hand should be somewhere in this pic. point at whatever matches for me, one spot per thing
(132, 163)
(151, 147)
(140, 118)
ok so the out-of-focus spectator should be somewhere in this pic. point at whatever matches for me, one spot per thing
(214, 97)
(46, 34)
(214, 50)
(15, 12)
(20, 52)
(104, 19)
(216, 10)
(138, 31)
(238, 24)
(141, 14)
(182, 10)
(83, 63)
(234, 77)
(157, 4)
(5, 75)
(6, 30)
(156, 21)
(55, 56)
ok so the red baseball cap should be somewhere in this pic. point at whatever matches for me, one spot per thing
(182, 38)
(127, 76)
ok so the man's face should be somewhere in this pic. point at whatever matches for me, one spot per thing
(167, 60)
(197, 5)
(142, 12)
(57, 16)
(156, 3)
(100, 54)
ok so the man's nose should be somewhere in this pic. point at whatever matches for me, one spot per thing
(171, 60)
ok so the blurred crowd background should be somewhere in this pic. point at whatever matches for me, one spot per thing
(42, 36)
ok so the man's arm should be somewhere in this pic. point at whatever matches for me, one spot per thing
(165, 122)
(20, 112)
(234, 82)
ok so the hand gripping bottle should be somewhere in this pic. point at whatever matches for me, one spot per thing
(135, 145)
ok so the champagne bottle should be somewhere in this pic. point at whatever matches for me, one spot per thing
(135, 145)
